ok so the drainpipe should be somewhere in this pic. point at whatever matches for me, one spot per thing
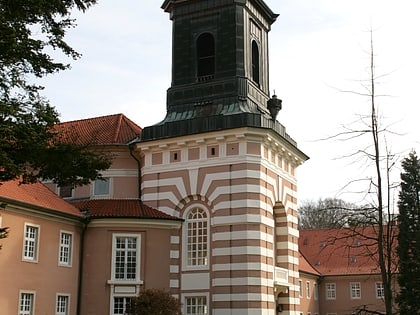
(85, 221)
(131, 147)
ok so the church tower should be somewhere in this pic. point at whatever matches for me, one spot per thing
(221, 161)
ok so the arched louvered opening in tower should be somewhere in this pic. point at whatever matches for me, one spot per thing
(205, 57)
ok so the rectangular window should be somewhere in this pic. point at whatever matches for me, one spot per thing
(62, 305)
(30, 242)
(330, 291)
(101, 187)
(196, 305)
(26, 303)
(316, 293)
(126, 252)
(66, 191)
(379, 290)
(308, 289)
(65, 251)
(300, 288)
(120, 305)
(355, 290)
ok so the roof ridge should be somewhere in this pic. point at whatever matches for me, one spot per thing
(90, 118)
(118, 128)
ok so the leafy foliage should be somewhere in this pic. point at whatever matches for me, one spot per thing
(154, 302)
(29, 146)
(409, 236)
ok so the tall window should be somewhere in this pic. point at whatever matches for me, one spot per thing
(26, 303)
(300, 288)
(379, 290)
(255, 62)
(66, 242)
(330, 291)
(101, 187)
(316, 293)
(197, 238)
(126, 257)
(355, 290)
(62, 305)
(205, 56)
(196, 305)
(120, 305)
(308, 289)
(30, 242)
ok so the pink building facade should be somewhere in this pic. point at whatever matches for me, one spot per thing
(202, 204)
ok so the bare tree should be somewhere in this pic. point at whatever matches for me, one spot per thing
(378, 194)
(332, 213)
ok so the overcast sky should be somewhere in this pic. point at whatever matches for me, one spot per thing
(318, 49)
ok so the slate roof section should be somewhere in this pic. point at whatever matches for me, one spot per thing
(114, 129)
(342, 251)
(121, 208)
(35, 195)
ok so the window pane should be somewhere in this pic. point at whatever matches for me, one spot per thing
(196, 305)
(65, 248)
(120, 305)
(101, 187)
(62, 305)
(125, 264)
(197, 237)
(30, 242)
(26, 304)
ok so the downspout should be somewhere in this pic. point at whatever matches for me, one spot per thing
(85, 222)
(131, 147)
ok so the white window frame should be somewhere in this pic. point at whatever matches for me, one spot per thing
(316, 291)
(206, 258)
(185, 297)
(379, 290)
(28, 240)
(22, 303)
(138, 257)
(330, 291)
(100, 194)
(308, 289)
(355, 290)
(125, 301)
(59, 305)
(63, 247)
(300, 288)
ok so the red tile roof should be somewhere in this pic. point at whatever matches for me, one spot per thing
(305, 266)
(342, 251)
(105, 130)
(36, 194)
(120, 208)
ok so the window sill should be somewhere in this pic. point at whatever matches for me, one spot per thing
(125, 282)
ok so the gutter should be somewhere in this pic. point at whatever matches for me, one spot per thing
(85, 222)
(139, 175)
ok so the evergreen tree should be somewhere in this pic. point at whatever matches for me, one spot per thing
(409, 236)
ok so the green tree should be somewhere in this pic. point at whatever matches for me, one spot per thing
(29, 145)
(409, 236)
(154, 302)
